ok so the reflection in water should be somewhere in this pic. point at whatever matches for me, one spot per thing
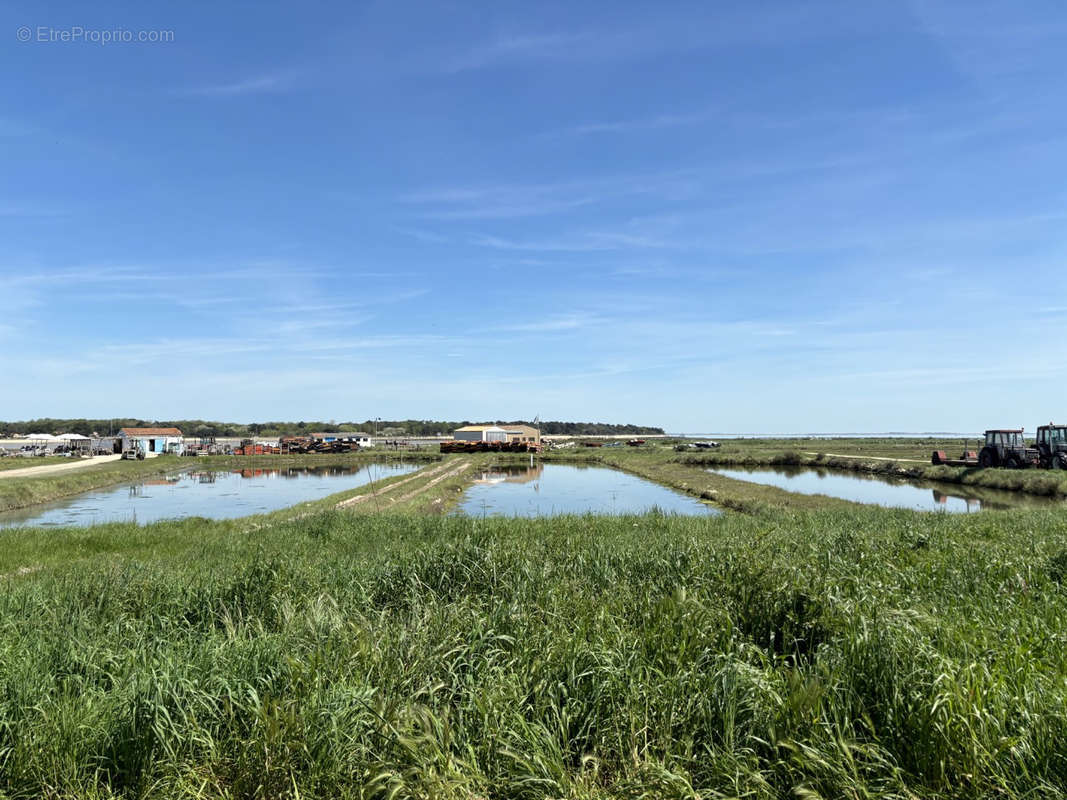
(510, 474)
(891, 491)
(138, 490)
(547, 489)
(942, 499)
(277, 472)
(216, 495)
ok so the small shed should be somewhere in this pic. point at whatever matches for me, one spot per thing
(152, 440)
(77, 443)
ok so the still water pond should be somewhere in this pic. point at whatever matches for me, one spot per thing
(548, 489)
(890, 492)
(193, 493)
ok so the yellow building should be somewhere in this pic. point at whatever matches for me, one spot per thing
(523, 433)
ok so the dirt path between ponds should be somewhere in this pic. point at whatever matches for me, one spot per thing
(30, 472)
(450, 474)
(440, 473)
(421, 472)
(868, 458)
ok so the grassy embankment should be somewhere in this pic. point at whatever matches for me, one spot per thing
(12, 462)
(840, 653)
(27, 491)
(868, 456)
(873, 448)
(433, 489)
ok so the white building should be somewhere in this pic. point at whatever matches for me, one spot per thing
(152, 440)
(480, 433)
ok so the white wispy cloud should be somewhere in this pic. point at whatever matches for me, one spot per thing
(661, 32)
(532, 207)
(554, 324)
(21, 210)
(988, 39)
(274, 346)
(530, 199)
(427, 237)
(76, 276)
(177, 349)
(522, 47)
(499, 202)
(259, 84)
(580, 243)
(658, 122)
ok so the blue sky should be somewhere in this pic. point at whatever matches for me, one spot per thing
(759, 216)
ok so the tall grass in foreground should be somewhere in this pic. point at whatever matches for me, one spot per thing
(837, 654)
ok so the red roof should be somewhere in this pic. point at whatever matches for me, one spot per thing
(150, 432)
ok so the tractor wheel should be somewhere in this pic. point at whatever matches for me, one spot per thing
(987, 459)
(1059, 460)
(1014, 461)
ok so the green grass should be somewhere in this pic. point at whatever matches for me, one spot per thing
(13, 462)
(835, 653)
(888, 447)
(893, 448)
(26, 491)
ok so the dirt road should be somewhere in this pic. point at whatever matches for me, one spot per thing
(32, 472)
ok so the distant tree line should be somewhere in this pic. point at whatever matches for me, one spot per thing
(403, 427)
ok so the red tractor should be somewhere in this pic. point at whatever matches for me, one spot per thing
(1006, 447)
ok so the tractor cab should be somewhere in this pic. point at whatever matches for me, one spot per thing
(1005, 438)
(1052, 446)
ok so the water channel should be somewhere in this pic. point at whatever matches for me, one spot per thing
(549, 489)
(202, 493)
(886, 491)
